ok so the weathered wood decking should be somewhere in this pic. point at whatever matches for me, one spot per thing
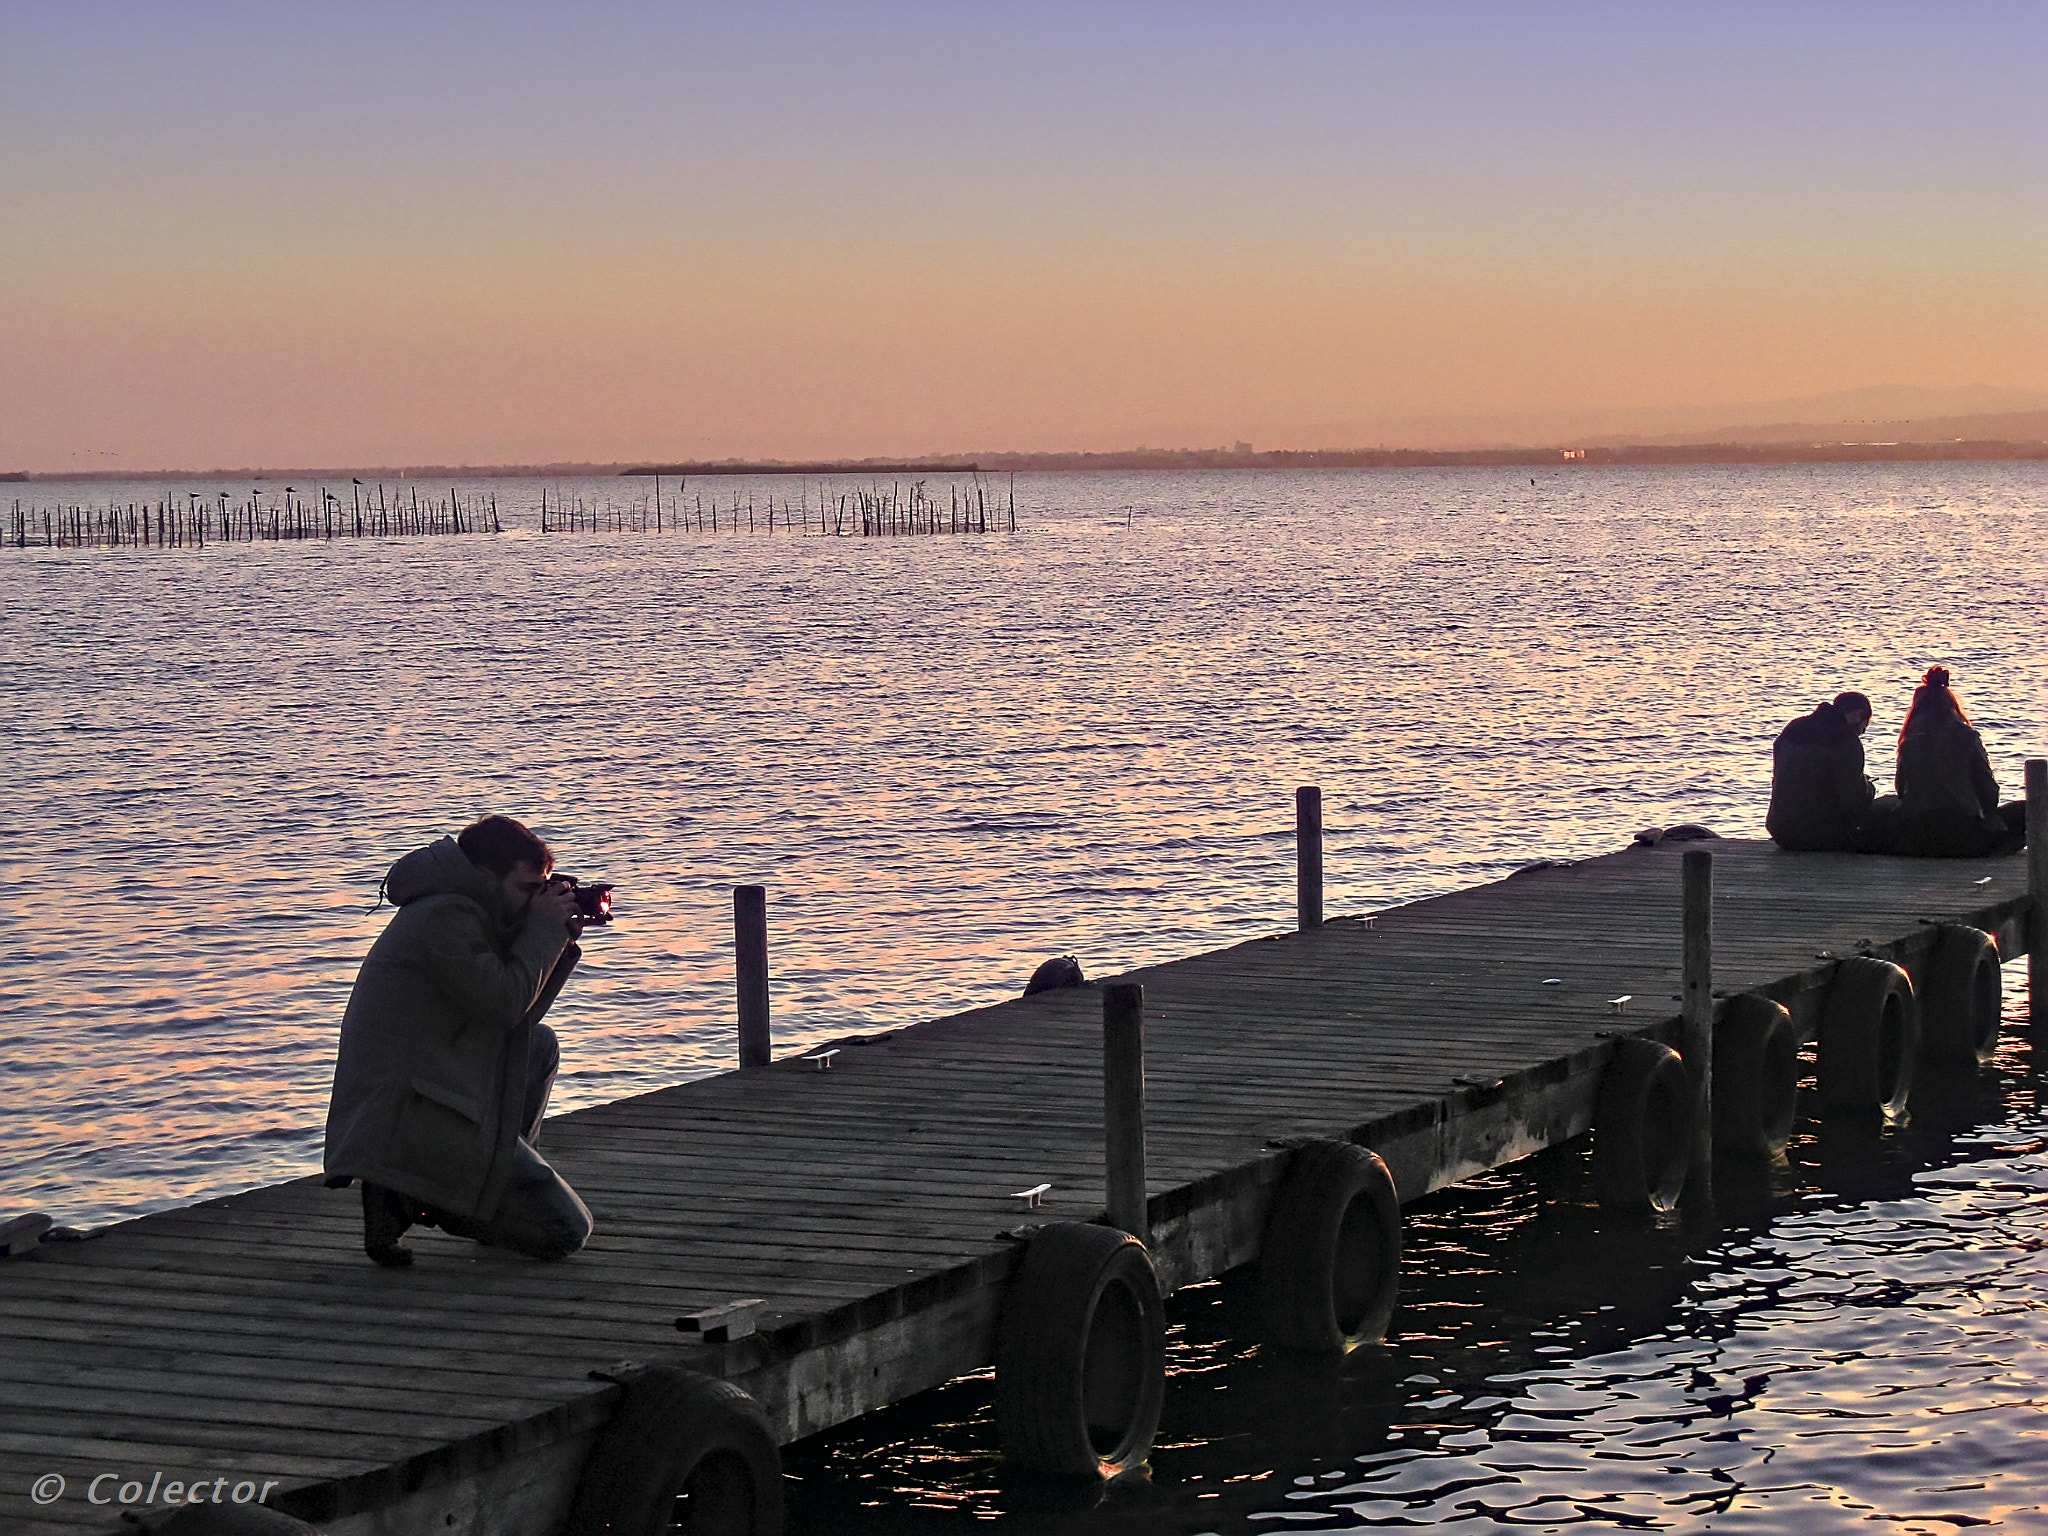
(248, 1339)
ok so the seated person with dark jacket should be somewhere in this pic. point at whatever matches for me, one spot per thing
(1948, 801)
(1819, 796)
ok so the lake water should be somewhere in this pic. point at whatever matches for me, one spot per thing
(948, 758)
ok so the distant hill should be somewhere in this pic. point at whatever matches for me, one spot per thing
(2003, 426)
(1883, 402)
(1854, 414)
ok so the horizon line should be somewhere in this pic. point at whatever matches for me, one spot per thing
(1058, 461)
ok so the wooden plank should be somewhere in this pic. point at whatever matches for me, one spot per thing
(343, 1372)
(541, 1354)
(873, 1194)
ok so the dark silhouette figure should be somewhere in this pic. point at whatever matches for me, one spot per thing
(1060, 971)
(1947, 798)
(1819, 795)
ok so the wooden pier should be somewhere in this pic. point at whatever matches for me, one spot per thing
(874, 1204)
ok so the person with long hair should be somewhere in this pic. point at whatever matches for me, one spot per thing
(1948, 799)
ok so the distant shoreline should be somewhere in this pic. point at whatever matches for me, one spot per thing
(820, 467)
(1140, 459)
(1392, 458)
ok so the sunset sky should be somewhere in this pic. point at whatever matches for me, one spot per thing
(294, 234)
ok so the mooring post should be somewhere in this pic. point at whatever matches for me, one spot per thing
(1123, 1106)
(2037, 892)
(1696, 1020)
(750, 945)
(1308, 856)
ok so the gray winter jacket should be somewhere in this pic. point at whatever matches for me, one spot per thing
(430, 1078)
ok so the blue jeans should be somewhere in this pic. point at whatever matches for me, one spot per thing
(543, 1059)
(540, 1215)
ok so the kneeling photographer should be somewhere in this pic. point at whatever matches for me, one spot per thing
(444, 1067)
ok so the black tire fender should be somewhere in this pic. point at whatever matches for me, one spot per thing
(1330, 1265)
(680, 1434)
(1869, 1038)
(1642, 1127)
(1080, 1354)
(1959, 989)
(1756, 1077)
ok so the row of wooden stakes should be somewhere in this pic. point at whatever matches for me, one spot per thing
(872, 513)
(165, 524)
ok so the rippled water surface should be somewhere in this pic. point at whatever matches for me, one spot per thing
(950, 757)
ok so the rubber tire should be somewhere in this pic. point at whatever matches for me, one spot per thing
(1330, 1264)
(1869, 1038)
(1080, 1355)
(1960, 997)
(1642, 1127)
(679, 1432)
(1756, 1078)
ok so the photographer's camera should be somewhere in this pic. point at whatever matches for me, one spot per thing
(593, 901)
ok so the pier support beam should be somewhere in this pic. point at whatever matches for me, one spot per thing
(2037, 893)
(1123, 1107)
(750, 946)
(1308, 856)
(1696, 1020)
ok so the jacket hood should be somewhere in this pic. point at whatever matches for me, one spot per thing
(441, 869)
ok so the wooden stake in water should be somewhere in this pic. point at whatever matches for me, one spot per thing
(1123, 1106)
(1308, 856)
(1696, 1017)
(2037, 892)
(750, 943)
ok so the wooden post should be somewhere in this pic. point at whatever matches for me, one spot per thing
(1308, 856)
(750, 936)
(1696, 1021)
(1123, 1106)
(2037, 892)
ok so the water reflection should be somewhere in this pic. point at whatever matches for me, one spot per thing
(949, 759)
(1848, 1341)
(946, 758)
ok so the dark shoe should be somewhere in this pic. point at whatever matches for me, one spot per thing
(386, 1216)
